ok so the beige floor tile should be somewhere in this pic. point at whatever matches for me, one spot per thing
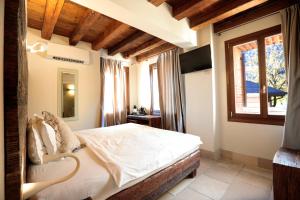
(189, 194)
(259, 171)
(166, 196)
(205, 164)
(209, 187)
(244, 191)
(181, 186)
(230, 164)
(254, 179)
(224, 173)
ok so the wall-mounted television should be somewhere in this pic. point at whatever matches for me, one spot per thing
(195, 60)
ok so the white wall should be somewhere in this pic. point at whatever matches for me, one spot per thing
(199, 88)
(43, 83)
(1, 102)
(249, 139)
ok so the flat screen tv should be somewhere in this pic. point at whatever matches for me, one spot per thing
(195, 60)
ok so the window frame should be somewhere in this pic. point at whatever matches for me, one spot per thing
(263, 117)
(152, 111)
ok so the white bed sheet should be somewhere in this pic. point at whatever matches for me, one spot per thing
(92, 179)
(131, 151)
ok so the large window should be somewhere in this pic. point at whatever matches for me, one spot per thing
(256, 78)
(155, 109)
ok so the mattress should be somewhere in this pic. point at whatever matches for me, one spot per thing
(92, 179)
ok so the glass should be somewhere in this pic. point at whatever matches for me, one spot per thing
(246, 78)
(68, 97)
(155, 91)
(275, 75)
(68, 94)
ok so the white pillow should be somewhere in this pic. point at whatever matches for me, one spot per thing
(70, 140)
(48, 136)
(36, 148)
(66, 140)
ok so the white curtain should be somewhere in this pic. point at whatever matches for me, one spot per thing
(171, 90)
(291, 39)
(113, 92)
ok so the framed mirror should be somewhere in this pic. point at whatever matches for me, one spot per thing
(68, 94)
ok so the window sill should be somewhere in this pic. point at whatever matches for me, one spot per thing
(276, 120)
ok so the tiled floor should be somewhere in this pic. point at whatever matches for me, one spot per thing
(223, 180)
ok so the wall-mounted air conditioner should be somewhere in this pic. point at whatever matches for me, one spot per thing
(67, 54)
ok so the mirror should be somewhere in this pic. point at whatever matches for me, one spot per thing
(68, 94)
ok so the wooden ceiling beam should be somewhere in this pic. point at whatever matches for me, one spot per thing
(264, 9)
(154, 52)
(191, 7)
(52, 12)
(157, 2)
(89, 18)
(126, 43)
(109, 35)
(151, 44)
(222, 10)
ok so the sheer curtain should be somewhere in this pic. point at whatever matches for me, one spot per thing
(113, 92)
(291, 40)
(171, 90)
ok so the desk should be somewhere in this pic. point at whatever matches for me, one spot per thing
(149, 120)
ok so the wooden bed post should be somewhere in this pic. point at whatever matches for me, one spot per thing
(15, 96)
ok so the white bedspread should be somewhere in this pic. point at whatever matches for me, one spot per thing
(131, 151)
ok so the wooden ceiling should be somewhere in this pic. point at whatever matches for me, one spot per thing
(224, 14)
(78, 23)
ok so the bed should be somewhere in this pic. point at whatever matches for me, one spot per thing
(96, 180)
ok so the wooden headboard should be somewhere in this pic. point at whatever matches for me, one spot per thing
(15, 97)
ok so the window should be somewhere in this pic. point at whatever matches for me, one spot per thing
(127, 88)
(155, 110)
(256, 78)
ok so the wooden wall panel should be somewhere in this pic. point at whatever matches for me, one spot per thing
(15, 97)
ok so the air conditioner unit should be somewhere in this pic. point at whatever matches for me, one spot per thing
(67, 54)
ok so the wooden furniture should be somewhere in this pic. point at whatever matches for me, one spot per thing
(286, 174)
(149, 120)
(156, 185)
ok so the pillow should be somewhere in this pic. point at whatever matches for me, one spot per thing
(36, 148)
(52, 121)
(67, 140)
(48, 136)
(70, 140)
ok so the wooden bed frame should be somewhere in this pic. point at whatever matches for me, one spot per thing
(15, 121)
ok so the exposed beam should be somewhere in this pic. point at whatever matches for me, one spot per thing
(155, 52)
(126, 43)
(191, 7)
(52, 12)
(252, 14)
(89, 18)
(151, 44)
(109, 35)
(157, 2)
(222, 10)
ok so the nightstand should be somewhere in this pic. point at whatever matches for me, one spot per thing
(149, 120)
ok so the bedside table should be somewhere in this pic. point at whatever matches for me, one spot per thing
(149, 120)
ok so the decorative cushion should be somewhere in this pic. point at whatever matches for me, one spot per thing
(71, 142)
(64, 135)
(48, 136)
(36, 148)
(53, 122)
